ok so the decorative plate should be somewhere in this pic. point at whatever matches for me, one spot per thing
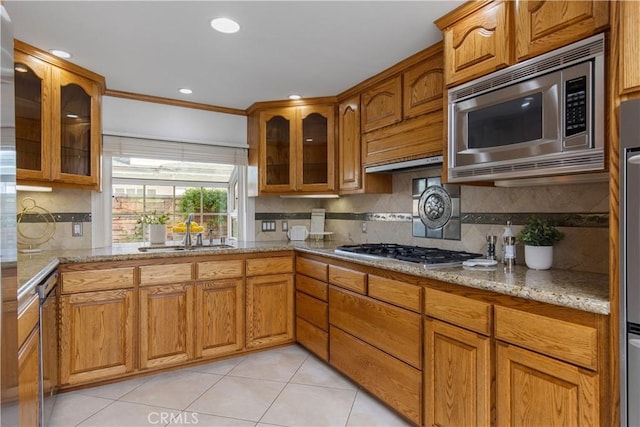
(434, 207)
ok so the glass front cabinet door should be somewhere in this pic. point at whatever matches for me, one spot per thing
(33, 118)
(297, 150)
(57, 122)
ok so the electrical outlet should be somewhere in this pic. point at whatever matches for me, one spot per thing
(285, 226)
(364, 227)
(76, 229)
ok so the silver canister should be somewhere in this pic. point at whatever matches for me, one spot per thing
(509, 253)
(491, 246)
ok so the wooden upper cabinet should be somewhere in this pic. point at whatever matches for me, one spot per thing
(477, 39)
(350, 163)
(423, 86)
(58, 121)
(296, 149)
(351, 176)
(315, 144)
(33, 117)
(629, 52)
(382, 105)
(542, 26)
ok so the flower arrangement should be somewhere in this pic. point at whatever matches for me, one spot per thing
(538, 232)
(153, 218)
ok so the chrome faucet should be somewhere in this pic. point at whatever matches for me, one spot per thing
(187, 235)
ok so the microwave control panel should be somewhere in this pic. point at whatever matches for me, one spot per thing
(575, 106)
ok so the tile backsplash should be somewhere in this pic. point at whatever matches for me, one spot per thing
(580, 210)
(66, 206)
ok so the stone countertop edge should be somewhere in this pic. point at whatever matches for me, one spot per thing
(575, 289)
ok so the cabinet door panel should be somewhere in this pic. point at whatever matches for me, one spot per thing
(277, 133)
(479, 43)
(166, 325)
(96, 335)
(542, 26)
(33, 117)
(76, 129)
(423, 86)
(457, 376)
(534, 390)
(28, 380)
(269, 310)
(629, 17)
(350, 163)
(382, 105)
(219, 317)
(316, 149)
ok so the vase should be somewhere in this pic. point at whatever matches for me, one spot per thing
(157, 234)
(538, 257)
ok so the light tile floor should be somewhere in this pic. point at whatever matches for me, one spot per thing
(282, 387)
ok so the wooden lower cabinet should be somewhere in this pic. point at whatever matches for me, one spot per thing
(219, 321)
(28, 380)
(392, 329)
(394, 382)
(535, 390)
(96, 336)
(270, 310)
(166, 325)
(313, 338)
(457, 376)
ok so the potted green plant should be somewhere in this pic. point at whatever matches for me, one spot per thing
(538, 237)
(157, 224)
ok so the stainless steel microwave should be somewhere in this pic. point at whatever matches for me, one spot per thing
(540, 117)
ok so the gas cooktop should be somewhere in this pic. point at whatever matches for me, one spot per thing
(428, 257)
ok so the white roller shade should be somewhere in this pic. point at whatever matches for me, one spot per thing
(173, 150)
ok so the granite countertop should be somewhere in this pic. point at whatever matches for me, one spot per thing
(575, 289)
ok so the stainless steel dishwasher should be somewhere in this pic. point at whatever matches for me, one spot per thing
(48, 346)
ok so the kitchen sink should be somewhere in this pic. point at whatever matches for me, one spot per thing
(181, 248)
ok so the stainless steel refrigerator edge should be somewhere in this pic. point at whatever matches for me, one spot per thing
(629, 265)
(8, 252)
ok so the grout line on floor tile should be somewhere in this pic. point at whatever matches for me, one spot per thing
(85, 419)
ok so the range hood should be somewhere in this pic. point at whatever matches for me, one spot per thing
(406, 165)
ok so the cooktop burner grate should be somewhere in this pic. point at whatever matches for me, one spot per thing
(415, 254)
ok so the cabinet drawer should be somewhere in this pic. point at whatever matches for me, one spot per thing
(28, 318)
(165, 273)
(395, 292)
(312, 287)
(461, 311)
(312, 268)
(389, 328)
(348, 279)
(394, 382)
(223, 269)
(567, 341)
(315, 339)
(312, 310)
(274, 265)
(96, 280)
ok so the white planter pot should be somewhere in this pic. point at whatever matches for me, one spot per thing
(538, 257)
(157, 233)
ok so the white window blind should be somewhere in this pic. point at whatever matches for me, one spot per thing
(173, 150)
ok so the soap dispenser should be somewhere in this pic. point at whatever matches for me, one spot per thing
(508, 245)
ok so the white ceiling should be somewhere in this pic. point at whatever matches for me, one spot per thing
(313, 48)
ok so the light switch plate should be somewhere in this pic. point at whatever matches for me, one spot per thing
(76, 229)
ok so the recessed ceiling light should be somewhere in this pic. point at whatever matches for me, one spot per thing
(21, 68)
(225, 25)
(185, 91)
(294, 97)
(60, 53)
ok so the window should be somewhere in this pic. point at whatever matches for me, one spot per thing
(169, 177)
(176, 188)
